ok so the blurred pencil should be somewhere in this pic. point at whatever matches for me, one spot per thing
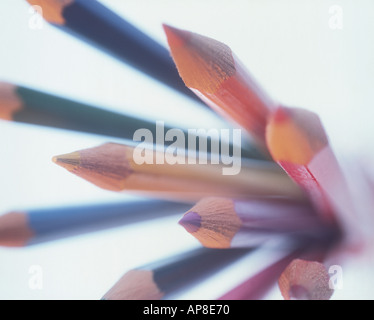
(298, 143)
(258, 284)
(230, 223)
(169, 276)
(27, 105)
(211, 70)
(119, 167)
(94, 23)
(25, 228)
(305, 280)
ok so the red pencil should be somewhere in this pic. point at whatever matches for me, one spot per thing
(297, 141)
(211, 70)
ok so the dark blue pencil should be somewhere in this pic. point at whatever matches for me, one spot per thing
(96, 24)
(166, 277)
(24, 228)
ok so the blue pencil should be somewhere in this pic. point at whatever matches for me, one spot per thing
(25, 228)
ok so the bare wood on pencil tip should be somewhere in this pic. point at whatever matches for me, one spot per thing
(297, 140)
(10, 103)
(91, 164)
(214, 73)
(135, 285)
(52, 9)
(223, 210)
(115, 167)
(305, 280)
(206, 65)
(14, 230)
(295, 135)
(68, 161)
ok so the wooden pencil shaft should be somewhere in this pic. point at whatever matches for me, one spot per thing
(36, 226)
(116, 167)
(241, 100)
(276, 215)
(96, 24)
(40, 108)
(50, 224)
(298, 142)
(248, 237)
(188, 268)
(259, 284)
(226, 223)
(49, 110)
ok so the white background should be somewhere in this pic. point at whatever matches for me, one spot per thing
(287, 45)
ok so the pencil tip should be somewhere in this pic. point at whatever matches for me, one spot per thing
(191, 221)
(203, 63)
(68, 161)
(175, 36)
(10, 103)
(295, 135)
(304, 279)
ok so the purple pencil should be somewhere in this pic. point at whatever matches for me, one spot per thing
(230, 223)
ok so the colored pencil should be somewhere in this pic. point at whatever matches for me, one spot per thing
(25, 228)
(169, 276)
(298, 143)
(305, 280)
(115, 167)
(229, 223)
(295, 139)
(211, 70)
(97, 25)
(27, 105)
(260, 282)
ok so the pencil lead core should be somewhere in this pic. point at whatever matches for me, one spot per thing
(68, 161)
(191, 221)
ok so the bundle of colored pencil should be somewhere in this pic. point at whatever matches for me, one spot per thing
(300, 202)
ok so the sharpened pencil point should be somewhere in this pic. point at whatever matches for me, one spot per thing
(176, 36)
(212, 233)
(304, 279)
(191, 221)
(203, 63)
(295, 135)
(92, 165)
(68, 161)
